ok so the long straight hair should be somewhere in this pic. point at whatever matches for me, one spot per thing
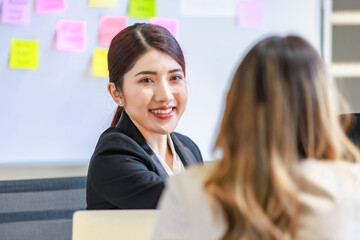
(133, 42)
(281, 108)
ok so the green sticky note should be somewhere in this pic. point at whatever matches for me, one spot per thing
(142, 8)
(24, 54)
(102, 3)
(100, 67)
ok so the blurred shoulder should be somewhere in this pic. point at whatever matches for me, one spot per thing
(329, 197)
(330, 172)
(191, 182)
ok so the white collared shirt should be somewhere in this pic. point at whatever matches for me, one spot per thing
(178, 166)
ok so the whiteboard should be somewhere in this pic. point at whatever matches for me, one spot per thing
(55, 114)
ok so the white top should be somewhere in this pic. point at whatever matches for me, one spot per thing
(178, 166)
(329, 201)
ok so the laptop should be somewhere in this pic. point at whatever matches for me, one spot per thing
(113, 224)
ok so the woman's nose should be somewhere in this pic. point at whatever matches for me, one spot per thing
(163, 92)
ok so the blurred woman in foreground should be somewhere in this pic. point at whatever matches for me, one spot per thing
(288, 171)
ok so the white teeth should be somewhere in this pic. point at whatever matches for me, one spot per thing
(162, 111)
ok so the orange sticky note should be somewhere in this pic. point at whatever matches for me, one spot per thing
(109, 27)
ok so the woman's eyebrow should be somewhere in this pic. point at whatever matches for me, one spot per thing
(154, 73)
(146, 72)
(176, 70)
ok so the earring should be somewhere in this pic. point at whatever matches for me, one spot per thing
(121, 102)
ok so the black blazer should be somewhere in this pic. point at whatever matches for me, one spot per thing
(125, 173)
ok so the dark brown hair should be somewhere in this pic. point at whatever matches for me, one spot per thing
(133, 42)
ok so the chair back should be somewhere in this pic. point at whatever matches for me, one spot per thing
(353, 132)
(40, 209)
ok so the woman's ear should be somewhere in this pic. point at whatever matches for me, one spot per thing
(115, 94)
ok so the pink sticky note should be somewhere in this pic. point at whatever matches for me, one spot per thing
(15, 12)
(109, 27)
(250, 13)
(70, 35)
(44, 6)
(172, 25)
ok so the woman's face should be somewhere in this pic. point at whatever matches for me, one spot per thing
(155, 93)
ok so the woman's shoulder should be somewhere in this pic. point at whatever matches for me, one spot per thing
(112, 138)
(330, 172)
(196, 203)
(187, 212)
(335, 178)
(329, 197)
(191, 182)
(115, 146)
(196, 173)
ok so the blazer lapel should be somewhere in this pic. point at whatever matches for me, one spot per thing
(186, 156)
(126, 126)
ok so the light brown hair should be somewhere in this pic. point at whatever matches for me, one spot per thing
(281, 108)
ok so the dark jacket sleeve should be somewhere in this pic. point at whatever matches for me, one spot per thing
(121, 175)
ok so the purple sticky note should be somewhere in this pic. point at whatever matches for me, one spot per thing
(70, 35)
(44, 6)
(15, 12)
(172, 25)
(250, 13)
(109, 27)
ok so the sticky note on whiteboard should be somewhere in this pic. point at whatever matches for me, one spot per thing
(24, 54)
(102, 3)
(142, 8)
(109, 27)
(99, 62)
(172, 25)
(250, 13)
(70, 35)
(44, 6)
(15, 12)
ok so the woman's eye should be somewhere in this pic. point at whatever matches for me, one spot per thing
(146, 80)
(176, 78)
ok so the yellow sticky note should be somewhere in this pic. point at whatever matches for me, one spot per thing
(24, 54)
(142, 8)
(102, 3)
(100, 67)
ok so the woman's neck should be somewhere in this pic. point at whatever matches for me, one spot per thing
(159, 144)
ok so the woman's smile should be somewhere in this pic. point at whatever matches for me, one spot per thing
(165, 112)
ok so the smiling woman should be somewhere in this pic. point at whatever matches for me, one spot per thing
(140, 150)
(154, 94)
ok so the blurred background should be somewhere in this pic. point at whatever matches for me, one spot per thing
(54, 108)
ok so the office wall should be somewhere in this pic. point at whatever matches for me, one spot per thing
(56, 113)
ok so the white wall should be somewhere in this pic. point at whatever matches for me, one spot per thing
(55, 114)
